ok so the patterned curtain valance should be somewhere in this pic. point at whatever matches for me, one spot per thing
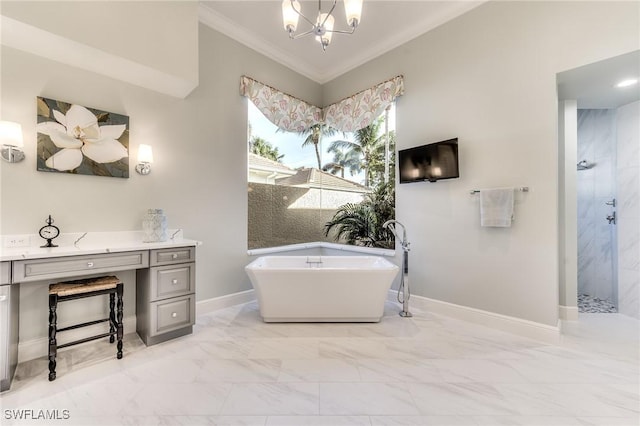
(361, 109)
(285, 111)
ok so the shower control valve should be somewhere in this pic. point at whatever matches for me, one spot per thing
(612, 218)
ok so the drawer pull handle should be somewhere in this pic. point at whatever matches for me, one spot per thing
(89, 264)
(174, 256)
(174, 281)
(173, 314)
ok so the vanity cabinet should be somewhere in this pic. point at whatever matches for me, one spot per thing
(165, 295)
(9, 326)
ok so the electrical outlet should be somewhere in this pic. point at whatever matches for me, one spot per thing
(11, 241)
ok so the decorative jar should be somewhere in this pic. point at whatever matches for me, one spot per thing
(154, 225)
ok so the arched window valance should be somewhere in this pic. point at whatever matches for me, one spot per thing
(285, 111)
(348, 115)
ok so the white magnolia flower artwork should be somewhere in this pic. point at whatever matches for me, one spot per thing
(80, 140)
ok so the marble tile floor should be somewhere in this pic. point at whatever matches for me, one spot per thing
(426, 370)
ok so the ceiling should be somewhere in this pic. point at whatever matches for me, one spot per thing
(593, 85)
(384, 25)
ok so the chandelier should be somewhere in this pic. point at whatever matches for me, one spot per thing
(322, 27)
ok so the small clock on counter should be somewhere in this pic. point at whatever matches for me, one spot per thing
(49, 232)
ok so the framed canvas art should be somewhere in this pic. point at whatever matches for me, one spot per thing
(81, 140)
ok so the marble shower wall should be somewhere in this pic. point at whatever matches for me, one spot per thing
(596, 186)
(628, 153)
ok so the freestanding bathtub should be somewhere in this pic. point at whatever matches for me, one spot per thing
(321, 288)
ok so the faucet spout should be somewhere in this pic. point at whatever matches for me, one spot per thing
(391, 225)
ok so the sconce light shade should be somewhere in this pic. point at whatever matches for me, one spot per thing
(145, 154)
(12, 142)
(145, 158)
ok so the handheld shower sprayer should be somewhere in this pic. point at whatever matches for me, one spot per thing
(404, 278)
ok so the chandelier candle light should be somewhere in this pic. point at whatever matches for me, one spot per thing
(322, 28)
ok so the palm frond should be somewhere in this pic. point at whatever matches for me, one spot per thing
(361, 224)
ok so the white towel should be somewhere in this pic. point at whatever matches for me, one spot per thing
(496, 207)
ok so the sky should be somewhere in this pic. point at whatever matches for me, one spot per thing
(290, 144)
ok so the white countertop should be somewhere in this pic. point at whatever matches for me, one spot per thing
(75, 244)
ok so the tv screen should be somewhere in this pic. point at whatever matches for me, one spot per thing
(430, 162)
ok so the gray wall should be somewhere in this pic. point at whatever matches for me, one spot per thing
(628, 176)
(488, 78)
(567, 209)
(126, 29)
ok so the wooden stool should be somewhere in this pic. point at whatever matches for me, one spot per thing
(78, 289)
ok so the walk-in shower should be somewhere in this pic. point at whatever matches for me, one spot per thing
(597, 233)
(600, 237)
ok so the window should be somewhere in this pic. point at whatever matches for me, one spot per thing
(320, 184)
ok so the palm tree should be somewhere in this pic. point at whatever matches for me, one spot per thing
(314, 135)
(376, 167)
(369, 148)
(263, 148)
(343, 160)
(361, 224)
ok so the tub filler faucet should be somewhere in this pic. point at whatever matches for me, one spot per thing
(404, 278)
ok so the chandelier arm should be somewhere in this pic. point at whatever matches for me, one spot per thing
(342, 31)
(299, 12)
(328, 13)
(297, 36)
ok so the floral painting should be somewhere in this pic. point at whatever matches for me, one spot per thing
(80, 140)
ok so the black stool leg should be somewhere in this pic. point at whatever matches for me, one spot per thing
(112, 316)
(53, 345)
(119, 291)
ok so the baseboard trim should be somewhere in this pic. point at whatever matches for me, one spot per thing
(37, 348)
(521, 327)
(568, 313)
(226, 301)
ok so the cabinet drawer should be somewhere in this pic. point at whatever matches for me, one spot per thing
(5, 272)
(172, 314)
(172, 280)
(173, 255)
(64, 267)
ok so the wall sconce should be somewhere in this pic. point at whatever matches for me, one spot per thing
(145, 158)
(12, 143)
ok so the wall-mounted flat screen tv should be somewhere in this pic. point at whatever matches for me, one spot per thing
(431, 162)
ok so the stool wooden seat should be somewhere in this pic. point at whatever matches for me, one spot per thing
(78, 289)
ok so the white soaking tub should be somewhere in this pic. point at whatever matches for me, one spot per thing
(321, 288)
